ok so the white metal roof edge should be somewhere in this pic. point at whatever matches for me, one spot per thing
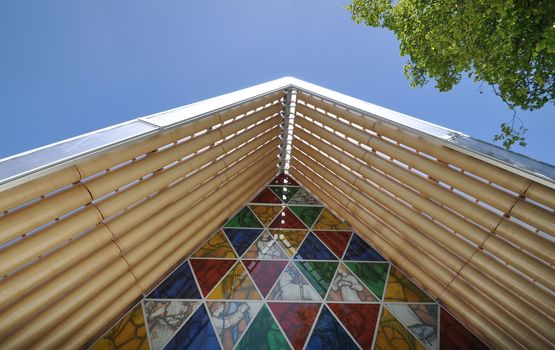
(156, 123)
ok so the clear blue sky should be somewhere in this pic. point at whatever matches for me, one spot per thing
(70, 67)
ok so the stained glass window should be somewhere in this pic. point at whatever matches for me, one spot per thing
(286, 273)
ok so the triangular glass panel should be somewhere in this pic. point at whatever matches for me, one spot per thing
(216, 247)
(289, 240)
(209, 272)
(359, 319)
(313, 249)
(329, 334)
(318, 273)
(129, 332)
(328, 221)
(237, 284)
(296, 320)
(292, 285)
(401, 289)
(165, 317)
(245, 218)
(303, 197)
(263, 333)
(454, 336)
(373, 275)
(265, 273)
(346, 287)
(231, 319)
(265, 247)
(241, 238)
(420, 319)
(287, 220)
(336, 241)
(284, 193)
(197, 333)
(267, 196)
(283, 179)
(266, 213)
(359, 250)
(393, 335)
(307, 214)
(179, 285)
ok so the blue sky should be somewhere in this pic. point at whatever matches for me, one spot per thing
(70, 67)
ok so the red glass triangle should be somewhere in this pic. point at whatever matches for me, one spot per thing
(455, 336)
(209, 272)
(283, 179)
(359, 319)
(335, 240)
(286, 219)
(296, 320)
(264, 273)
(267, 196)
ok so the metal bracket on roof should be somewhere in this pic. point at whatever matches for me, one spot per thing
(288, 124)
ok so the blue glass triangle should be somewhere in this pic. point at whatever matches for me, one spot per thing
(197, 333)
(241, 238)
(313, 249)
(360, 251)
(328, 334)
(179, 285)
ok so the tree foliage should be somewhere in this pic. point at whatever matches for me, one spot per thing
(509, 44)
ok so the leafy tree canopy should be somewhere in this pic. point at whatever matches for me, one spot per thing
(508, 44)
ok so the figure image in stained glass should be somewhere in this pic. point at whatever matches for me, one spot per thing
(164, 317)
(231, 319)
(292, 285)
(265, 247)
(346, 287)
(420, 319)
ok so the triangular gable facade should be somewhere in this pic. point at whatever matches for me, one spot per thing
(280, 216)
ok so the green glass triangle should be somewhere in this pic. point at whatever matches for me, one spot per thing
(318, 273)
(284, 193)
(307, 214)
(245, 218)
(373, 275)
(263, 333)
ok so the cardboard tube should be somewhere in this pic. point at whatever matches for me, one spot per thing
(477, 189)
(25, 192)
(491, 221)
(127, 152)
(430, 146)
(20, 222)
(71, 303)
(115, 179)
(37, 299)
(32, 247)
(67, 329)
(26, 280)
(158, 181)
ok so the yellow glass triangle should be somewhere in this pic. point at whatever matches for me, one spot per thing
(266, 213)
(401, 289)
(392, 335)
(328, 221)
(216, 247)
